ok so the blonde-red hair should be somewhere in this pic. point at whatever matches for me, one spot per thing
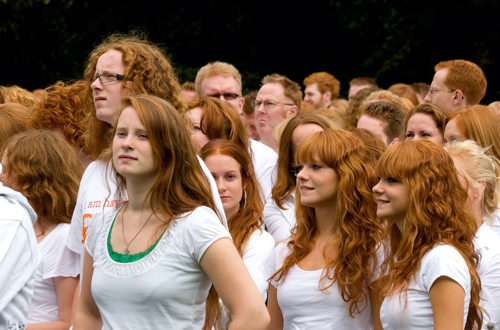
(356, 227)
(46, 171)
(436, 214)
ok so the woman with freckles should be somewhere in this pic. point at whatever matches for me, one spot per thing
(430, 279)
(323, 276)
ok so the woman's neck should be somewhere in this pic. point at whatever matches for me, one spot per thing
(137, 192)
(325, 222)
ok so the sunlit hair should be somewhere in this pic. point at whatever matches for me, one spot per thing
(340, 107)
(180, 185)
(64, 108)
(478, 168)
(333, 115)
(421, 88)
(187, 86)
(220, 121)
(16, 94)
(46, 171)
(385, 96)
(291, 89)
(215, 69)
(369, 82)
(437, 113)
(480, 124)
(404, 90)
(248, 108)
(436, 214)
(306, 107)
(357, 230)
(13, 120)
(495, 106)
(146, 67)
(353, 111)
(375, 147)
(285, 181)
(466, 76)
(326, 83)
(390, 114)
(249, 215)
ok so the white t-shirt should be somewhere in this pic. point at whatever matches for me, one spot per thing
(487, 243)
(264, 160)
(279, 222)
(304, 306)
(95, 187)
(496, 223)
(165, 289)
(93, 199)
(442, 260)
(44, 305)
(19, 258)
(258, 249)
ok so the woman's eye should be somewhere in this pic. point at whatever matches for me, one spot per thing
(121, 134)
(409, 135)
(196, 128)
(316, 166)
(392, 180)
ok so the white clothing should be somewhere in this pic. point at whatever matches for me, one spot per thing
(165, 289)
(279, 222)
(486, 242)
(441, 260)
(44, 305)
(95, 187)
(93, 199)
(258, 249)
(264, 160)
(304, 306)
(19, 258)
(496, 223)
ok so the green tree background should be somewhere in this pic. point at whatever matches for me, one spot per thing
(43, 41)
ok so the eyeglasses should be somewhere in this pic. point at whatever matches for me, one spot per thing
(268, 105)
(434, 91)
(226, 96)
(107, 78)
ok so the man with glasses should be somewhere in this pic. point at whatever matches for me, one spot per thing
(221, 80)
(278, 98)
(456, 84)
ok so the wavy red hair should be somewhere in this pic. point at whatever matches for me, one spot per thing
(357, 230)
(436, 215)
(249, 216)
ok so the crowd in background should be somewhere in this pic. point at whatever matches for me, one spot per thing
(131, 201)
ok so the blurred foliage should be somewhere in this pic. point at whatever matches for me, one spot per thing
(393, 41)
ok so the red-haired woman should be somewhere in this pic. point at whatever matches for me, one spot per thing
(42, 166)
(431, 281)
(233, 172)
(322, 275)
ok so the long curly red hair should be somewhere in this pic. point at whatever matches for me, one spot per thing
(436, 215)
(355, 220)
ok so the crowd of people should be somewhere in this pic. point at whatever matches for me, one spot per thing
(130, 201)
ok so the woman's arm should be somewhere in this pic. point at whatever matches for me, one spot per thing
(87, 316)
(274, 309)
(223, 265)
(65, 289)
(376, 299)
(447, 299)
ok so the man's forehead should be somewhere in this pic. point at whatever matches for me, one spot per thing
(220, 82)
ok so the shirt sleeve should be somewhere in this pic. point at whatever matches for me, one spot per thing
(444, 260)
(201, 230)
(276, 223)
(259, 248)
(58, 263)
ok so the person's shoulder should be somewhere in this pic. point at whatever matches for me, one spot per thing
(260, 148)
